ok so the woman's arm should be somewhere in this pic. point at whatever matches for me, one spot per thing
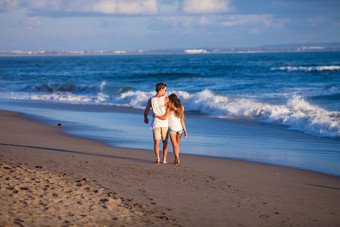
(183, 125)
(164, 117)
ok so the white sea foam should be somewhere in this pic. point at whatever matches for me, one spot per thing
(54, 97)
(308, 69)
(296, 113)
(102, 85)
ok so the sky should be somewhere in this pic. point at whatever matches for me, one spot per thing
(71, 25)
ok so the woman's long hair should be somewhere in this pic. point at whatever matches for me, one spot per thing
(177, 103)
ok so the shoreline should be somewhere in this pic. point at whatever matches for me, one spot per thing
(202, 191)
(253, 50)
(237, 140)
(64, 131)
(129, 110)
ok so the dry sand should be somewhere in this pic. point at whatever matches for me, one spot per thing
(36, 198)
(49, 178)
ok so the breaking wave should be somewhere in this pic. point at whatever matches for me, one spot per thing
(59, 87)
(65, 88)
(296, 113)
(308, 69)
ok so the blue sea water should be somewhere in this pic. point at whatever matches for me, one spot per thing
(277, 108)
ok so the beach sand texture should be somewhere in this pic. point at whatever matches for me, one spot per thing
(39, 198)
(50, 178)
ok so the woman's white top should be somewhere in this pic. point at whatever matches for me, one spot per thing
(174, 122)
(159, 109)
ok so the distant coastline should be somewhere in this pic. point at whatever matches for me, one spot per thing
(286, 48)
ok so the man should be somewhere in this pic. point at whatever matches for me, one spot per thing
(159, 127)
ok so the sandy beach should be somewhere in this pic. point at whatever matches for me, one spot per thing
(50, 178)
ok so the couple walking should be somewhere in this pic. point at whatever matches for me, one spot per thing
(168, 114)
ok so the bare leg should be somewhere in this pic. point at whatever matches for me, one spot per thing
(165, 150)
(178, 138)
(156, 150)
(175, 144)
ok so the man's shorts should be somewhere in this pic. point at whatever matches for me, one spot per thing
(160, 133)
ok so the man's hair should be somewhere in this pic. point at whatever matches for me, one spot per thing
(160, 86)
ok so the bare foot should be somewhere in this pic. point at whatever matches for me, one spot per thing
(157, 161)
(165, 162)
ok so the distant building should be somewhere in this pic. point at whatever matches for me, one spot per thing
(195, 51)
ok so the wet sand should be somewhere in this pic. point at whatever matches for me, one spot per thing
(49, 178)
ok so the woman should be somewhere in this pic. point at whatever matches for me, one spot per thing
(175, 113)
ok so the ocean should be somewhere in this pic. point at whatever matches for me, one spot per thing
(275, 108)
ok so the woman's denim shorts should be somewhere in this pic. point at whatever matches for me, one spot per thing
(170, 131)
